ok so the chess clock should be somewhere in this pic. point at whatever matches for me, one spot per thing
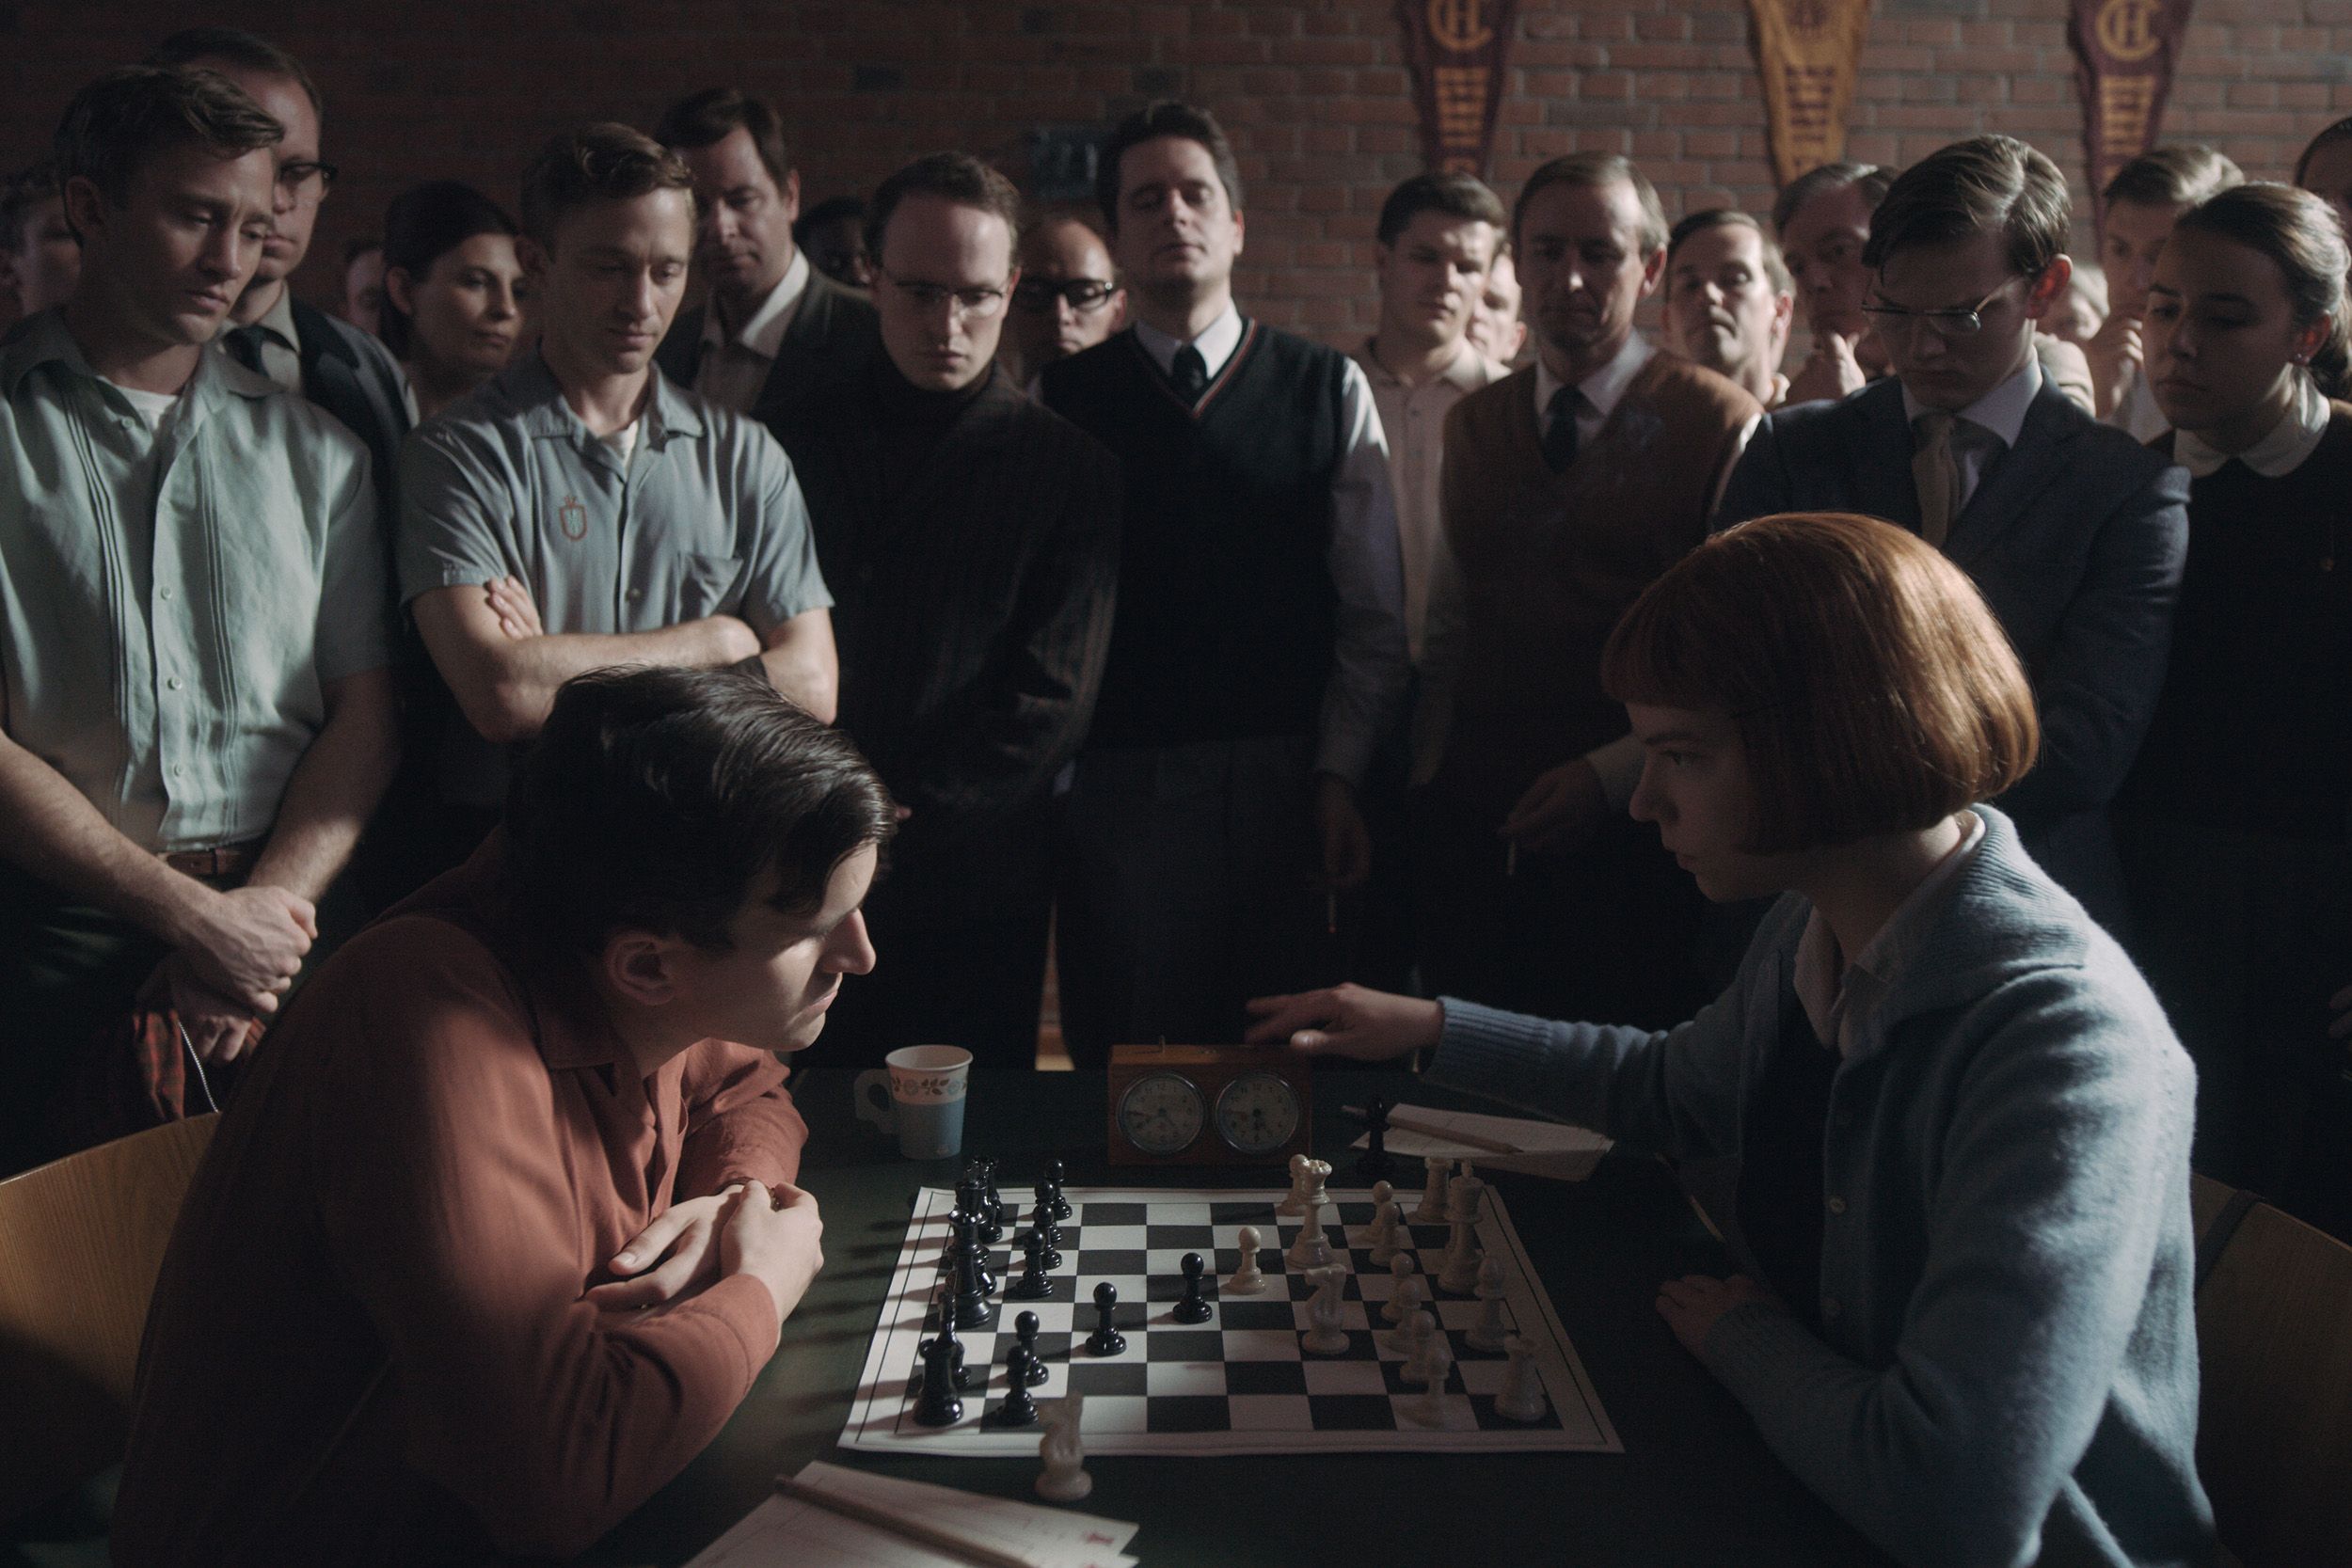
(1207, 1106)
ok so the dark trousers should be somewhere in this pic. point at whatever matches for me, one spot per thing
(977, 982)
(1190, 883)
(65, 969)
(2245, 935)
(1608, 934)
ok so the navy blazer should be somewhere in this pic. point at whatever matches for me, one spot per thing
(351, 375)
(2076, 537)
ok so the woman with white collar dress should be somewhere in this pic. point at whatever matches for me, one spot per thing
(1960, 1120)
(2234, 822)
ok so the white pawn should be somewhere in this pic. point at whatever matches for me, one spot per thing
(1522, 1397)
(1312, 1249)
(1386, 1221)
(1064, 1479)
(1459, 1272)
(1294, 1202)
(1323, 1335)
(1381, 1192)
(1412, 1297)
(1401, 1269)
(1490, 1331)
(1432, 1210)
(1249, 1279)
(1427, 1355)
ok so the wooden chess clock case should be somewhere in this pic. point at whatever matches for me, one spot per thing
(1208, 1105)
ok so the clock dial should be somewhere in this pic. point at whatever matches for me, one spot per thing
(1258, 1113)
(1161, 1114)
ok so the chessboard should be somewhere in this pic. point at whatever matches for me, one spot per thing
(1243, 1382)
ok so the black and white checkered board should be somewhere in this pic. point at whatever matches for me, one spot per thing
(1241, 1383)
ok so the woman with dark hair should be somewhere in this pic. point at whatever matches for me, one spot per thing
(453, 290)
(2325, 169)
(1959, 1121)
(2238, 821)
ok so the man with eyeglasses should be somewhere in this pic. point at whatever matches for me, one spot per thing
(296, 344)
(2076, 534)
(971, 540)
(774, 331)
(1067, 300)
(1259, 653)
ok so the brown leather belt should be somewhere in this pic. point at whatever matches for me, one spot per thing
(229, 860)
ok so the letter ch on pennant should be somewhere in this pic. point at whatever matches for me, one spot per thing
(1458, 51)
(2124, 52)
(1809, 51)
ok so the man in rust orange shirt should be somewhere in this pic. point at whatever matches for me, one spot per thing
(503, 1224)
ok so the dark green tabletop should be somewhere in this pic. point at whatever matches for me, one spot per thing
(1695, 1484)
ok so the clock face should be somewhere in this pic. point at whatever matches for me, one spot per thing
(1161, 1114)
(1257, 1112)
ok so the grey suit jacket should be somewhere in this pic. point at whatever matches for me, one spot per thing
(2075, 536)
(832, 333)
(352, 376)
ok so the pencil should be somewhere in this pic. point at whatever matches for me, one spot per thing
(955, 1545)
(1452, 1135)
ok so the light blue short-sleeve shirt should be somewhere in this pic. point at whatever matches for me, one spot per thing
(174, 603)
(702, 517)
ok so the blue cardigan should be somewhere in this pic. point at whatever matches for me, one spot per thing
(2006, 1369)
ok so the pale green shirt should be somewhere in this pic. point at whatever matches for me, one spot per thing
(701, 516)
(174, 601)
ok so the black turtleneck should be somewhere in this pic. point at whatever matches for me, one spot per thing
(912, 421)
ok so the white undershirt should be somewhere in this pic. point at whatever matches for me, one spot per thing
(153, 408)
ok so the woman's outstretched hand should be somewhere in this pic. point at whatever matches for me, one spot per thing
(1347, 1021)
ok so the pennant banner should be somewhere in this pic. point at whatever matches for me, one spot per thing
(1458, 49)
(2124, 54)
(1809, 51)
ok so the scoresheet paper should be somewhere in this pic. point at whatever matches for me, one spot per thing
(795, 1532)
(1241, 1383)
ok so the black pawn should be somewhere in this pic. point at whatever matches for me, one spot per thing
(1052, 1179)
(1043, 1222)
(1024, 1329)
(938, 1406)
(1035, 1284)
(1193, 1308)
(1105, 1340)
(1020, 1406)
(1376, 1164)
(955, 1346)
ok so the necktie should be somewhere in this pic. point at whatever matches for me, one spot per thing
(1190, 372)
(1936, 471)
(1560, 432)
(243, 344)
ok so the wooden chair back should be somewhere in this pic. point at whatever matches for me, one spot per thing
(2274, 1333)
(81, 1241)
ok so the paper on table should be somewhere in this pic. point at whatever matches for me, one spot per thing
(1550, 1148)
(805, 1534)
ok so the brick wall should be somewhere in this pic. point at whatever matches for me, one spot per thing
(1316, 93)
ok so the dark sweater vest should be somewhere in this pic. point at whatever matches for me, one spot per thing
(1549, 561)
(2254, 728)
(1225, 621)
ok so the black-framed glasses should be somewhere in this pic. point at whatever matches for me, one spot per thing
(1082, 295)
(970, 303)
(1948, 325)
(295, 176)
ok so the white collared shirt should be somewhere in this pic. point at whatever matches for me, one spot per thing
(1837, 1000)
(1413, 418)
(1603, 390)
(1217, 342)
(733, 369)
(1998, 416)
(2291, 441)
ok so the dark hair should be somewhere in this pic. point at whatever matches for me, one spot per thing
(2300, 232)
(605, 162)
(115, 124)
(358, 246)
(1456, 195)
(2177, 176)
(423, 224)
(1166, 118)
(1595, 172)
(1775, 266)
(244, 50)
(833, 209)
(1874, 178)
(2339, 131)
(1983, 184)
(956, 176)
(715, 114)
(657, 799)
(1873, 689)
(23, 192)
